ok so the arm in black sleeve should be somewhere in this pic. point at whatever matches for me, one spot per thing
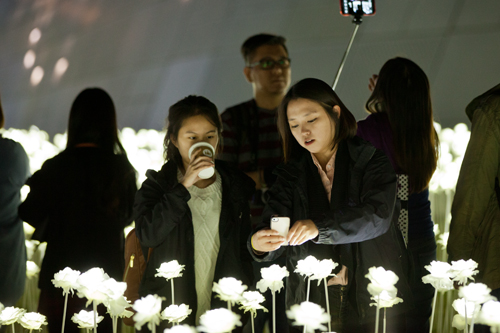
(158, 210)
(371, 216)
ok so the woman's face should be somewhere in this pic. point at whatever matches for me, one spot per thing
(311, 126)
(195, 129)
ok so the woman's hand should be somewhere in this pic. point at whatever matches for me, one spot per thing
(372, 82)
(267, 240)
(198, 163)
(301, 232)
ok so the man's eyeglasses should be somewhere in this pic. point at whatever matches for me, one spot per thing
(267, 64)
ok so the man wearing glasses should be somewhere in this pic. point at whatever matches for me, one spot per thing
(251, 139)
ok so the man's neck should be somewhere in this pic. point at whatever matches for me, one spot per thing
(268, 102)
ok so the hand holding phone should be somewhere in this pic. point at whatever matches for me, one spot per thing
(281, 225)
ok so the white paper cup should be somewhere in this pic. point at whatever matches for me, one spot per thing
(207, 150)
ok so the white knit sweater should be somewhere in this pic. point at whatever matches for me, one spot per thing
(205, 205)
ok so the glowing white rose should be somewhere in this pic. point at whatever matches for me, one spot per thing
(229, 289)
(462, 270)
(219, 321)
(117, 307)
(92, 285)
(307, 266)
(310, 315)
(490, 315)
(458, 322)
(147, 311)
(32, 321)
(32, 269)
(180, 329)
(324, 269)
(67, 279)
(170, 270)
(460, 305)
(10, 315)
(176, 313)
(31, 246)
(251, 300)
(85, 319)
(476, 293)
(272, 278)
(440, 275)
(385, 299)
(381, 280)
(443, 240)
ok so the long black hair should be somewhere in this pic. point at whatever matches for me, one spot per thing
(92, 119)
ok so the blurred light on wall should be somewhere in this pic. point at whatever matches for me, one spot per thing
(36, 75)
(60, 67)
(29, 59)
(35, 36)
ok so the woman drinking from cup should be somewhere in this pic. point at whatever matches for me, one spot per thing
(194, 210)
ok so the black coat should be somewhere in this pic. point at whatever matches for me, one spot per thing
(164, 222)
(79, 203)
(357, 228)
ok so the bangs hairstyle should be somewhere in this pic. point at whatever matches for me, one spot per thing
(252, 43)
(92, 119)
(186, 108)
(320, 92)
(403, 92)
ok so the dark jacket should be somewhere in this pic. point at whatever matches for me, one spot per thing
(79, 202)
(357, 228)
(164, 222)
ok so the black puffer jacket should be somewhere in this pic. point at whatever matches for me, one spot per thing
(164, 222)
(357, 228)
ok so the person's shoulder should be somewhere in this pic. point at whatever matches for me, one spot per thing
(11, 147)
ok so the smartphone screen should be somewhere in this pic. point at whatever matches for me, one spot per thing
(350, 7)
(281, 224)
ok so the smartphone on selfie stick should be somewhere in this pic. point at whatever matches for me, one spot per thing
(356, 8)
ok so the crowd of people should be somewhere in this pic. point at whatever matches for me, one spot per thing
(356, 192)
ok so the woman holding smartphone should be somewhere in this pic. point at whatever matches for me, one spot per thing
(339, 193)
(201, 220)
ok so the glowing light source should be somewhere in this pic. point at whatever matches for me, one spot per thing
(36, 75)
(60, 67)
(29, 59)
(35, 36)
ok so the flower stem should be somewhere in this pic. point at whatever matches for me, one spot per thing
(308, 287)
(385, 319)
(377, 316)
(95, 317)
(64, 312)
(13, 328)
(274, 312)
(328, 306)
(229, 305)
(472, 320)
(172, 287)
(466, 328)
(114, 319)
(433, 310)
(253, 325)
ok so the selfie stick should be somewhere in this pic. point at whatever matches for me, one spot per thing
(358, 19)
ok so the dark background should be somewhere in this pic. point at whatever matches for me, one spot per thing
(150, 53)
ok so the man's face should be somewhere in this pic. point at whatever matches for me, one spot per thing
(274, 81)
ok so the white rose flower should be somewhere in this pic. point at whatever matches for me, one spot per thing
(219, 321)
(272, 278)
(324, 270)
(310, 315)
(458, 322)
(85, 319)
(10, 315)
(117, 307)
(176, 313)
(460, 305)
(462, 270)
(147, 311)
(67, 279)
(229, 289)
(385, 299)
(440, 275)
(32, 269)
(307, 266)
(381, 280)
(251, 300)
(490, 315)
(443, 240)
(31, 245)
(92, 285)
(32, 321)
(170, 270)
(180, 329)
(477, 293)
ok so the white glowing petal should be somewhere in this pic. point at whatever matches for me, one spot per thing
(147, 311)
(170, 270)
(35, 36)
(476, 292)
(251, 300)
(463, 270)
(10, 315)
(307, 266)
(61, 67)
(308, 314)
(32, 321)
(219, 321)
(36, 76)
(490, 314)
(32, 269)
(85, 319)
(381, 280)
(180, 329)
(176, 313)
(440, 275)
(229, 289)
(29, 59)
